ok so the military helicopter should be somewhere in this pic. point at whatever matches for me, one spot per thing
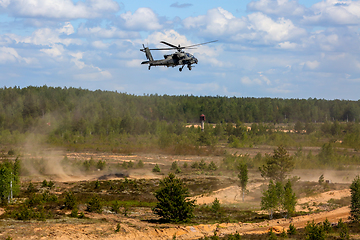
(179, 58)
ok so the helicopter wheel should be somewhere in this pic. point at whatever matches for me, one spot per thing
(149, 67)
(189, 68)
(180, 69)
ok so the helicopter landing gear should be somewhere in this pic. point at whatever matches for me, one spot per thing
(180, 69)
(149, 67)
(189, 67)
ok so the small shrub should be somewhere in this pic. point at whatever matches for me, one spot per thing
(47, 197)
(81, 215)
(50, 184)
(25, 213)
(321, 179)
(236, 236)
(174, 166)
(314, 231)
(130, 164)
(272, 235)
(11, 152)
(101, 165)
(70, 200)
(178, 170)
(31, 189)
(215, 207)
(343, 230)
(212, 166)
(202, 164)
(283, 234)
(156, 168)
(44, 183)
(195, 165)
(118, 227)
(94, 205)
(97, 184)
(126, 210)
(215, 236)
(124, 165)
(327, 226)
(74, 213)
(140, 164)
(115, 207)
(34, 200)
(185, 165)
(291, 230)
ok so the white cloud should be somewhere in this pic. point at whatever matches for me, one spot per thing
(92, 73)
(8, 54)
(59, 9)
(76, 59)
(312, 64)
(112, 32)
(170, 36)
(134, 63)
(278, 7)
(336, 12)
(67, 29)
(288, 45)
(255, 81)
(100, 44)
(216, 22)
(55, 51)
(142, 19)
(324, 41)
(256, 27)
(48, 36)
(269, 30)
(4, 3)
(213, 61)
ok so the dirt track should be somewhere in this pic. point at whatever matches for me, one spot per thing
(133, 229)
(102, 226)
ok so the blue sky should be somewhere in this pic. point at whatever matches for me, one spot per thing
(265, 48)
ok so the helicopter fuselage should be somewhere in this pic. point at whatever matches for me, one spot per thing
(179, 58)
(172, 60)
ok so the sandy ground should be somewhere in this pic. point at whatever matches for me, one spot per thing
(134, 229)
(102, 226)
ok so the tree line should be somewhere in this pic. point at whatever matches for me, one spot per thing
(23, 109)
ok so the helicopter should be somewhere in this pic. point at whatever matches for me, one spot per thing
(179, 58)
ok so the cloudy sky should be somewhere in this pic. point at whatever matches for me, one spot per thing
(265, 48)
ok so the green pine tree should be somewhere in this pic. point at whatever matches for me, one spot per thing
(243, 177)
(355, 199)
(270, 199)
(173, 200)
(288, 199)
(278, 165)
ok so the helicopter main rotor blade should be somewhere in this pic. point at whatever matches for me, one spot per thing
(161, 49)
(171, 45)
(199, 44)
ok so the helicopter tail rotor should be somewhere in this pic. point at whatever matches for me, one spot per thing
(147, 53)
